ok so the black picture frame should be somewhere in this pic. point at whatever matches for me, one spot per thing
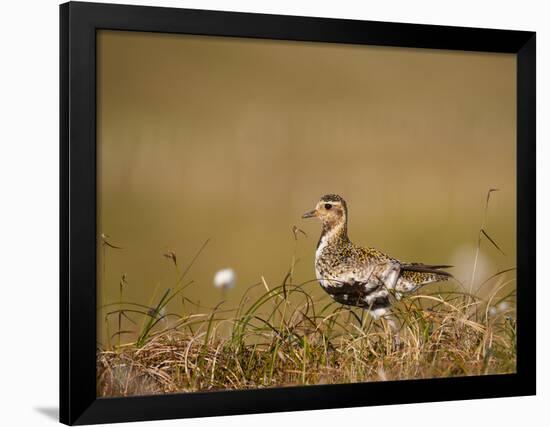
(78, 25)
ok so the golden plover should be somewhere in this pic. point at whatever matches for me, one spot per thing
(363, 277)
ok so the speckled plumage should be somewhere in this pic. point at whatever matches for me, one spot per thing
(363, 277)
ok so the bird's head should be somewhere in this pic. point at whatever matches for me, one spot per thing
(331, 209)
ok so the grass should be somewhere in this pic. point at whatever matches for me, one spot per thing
(281, 336)
(284, 337)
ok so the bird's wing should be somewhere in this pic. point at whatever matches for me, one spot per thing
(378, 269)
(369, 268)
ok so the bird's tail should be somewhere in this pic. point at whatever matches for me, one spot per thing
(415, 274)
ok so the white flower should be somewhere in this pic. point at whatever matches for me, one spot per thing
(225, 279)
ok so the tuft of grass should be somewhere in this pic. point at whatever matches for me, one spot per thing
(277, 341)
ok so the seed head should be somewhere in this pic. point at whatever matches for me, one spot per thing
(225, 279)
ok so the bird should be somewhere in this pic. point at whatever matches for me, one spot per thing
(363, 277)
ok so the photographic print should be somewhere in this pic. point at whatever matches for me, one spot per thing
(279, 213)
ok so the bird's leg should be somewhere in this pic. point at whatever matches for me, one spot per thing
(393, 324)
(385, 275)
(390, 274)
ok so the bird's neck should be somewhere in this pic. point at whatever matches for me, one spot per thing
(334, 233)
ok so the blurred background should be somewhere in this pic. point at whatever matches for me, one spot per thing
(233, 139)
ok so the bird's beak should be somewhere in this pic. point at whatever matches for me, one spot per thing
(310, 214)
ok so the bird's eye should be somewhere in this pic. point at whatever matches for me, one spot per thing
(328, 206)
